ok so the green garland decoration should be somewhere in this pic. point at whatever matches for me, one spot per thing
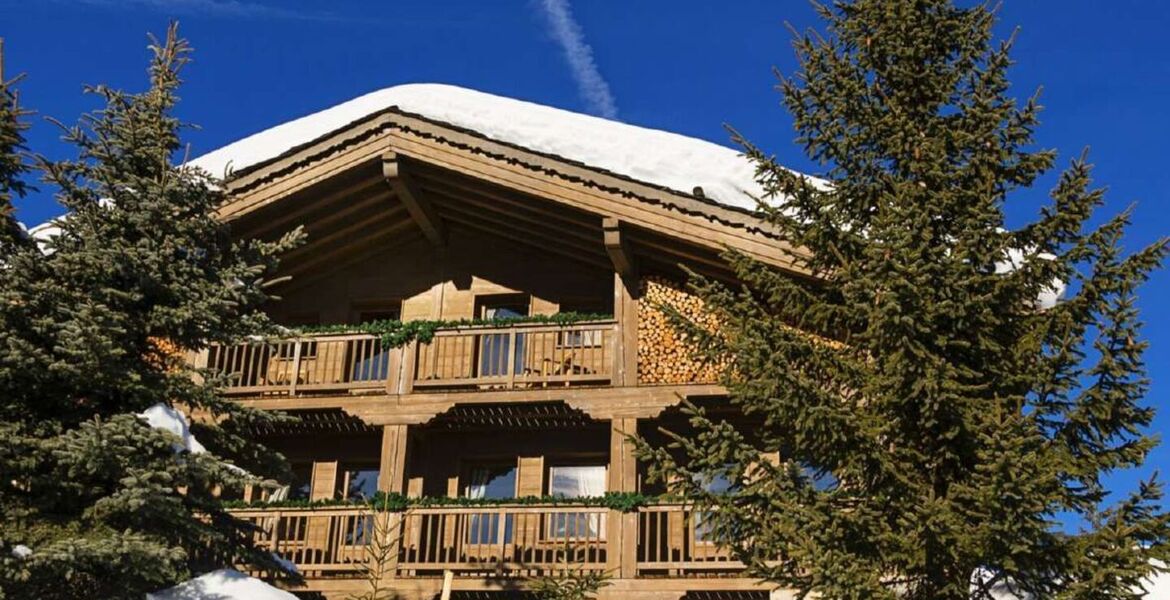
(625, 502)
(396, 334)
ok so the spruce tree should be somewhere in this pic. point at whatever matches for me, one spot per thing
(94, 331)
(12, 164)
(943, 425)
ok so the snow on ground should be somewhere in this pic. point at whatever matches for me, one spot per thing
(659, 157)
(224, 584)
(161, 416)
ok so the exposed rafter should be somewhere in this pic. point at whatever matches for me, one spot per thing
(360, 241)
(288, 218)
(404, 186)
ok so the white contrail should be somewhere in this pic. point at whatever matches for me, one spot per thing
(590, 83)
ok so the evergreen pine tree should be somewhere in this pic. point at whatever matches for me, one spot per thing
(94, 329)
(938, 418)
(12, 165)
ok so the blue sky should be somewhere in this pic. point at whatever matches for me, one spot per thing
(684, 65)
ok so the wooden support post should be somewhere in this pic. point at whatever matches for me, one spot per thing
(625, 302)
(625, 312)
(392, 469)
(622, 529)
(392, 479)
(409, 193)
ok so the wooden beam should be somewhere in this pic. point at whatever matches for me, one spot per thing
(512, 228)
(409, 192)
(345, 234)
(592, 260)
(617, 247)
(297, 215)
(346, 247)
(586, 233)
(346, 257)
(454, 181)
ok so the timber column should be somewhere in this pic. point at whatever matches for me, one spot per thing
(622, 530)
(392, 479)
(625, 302)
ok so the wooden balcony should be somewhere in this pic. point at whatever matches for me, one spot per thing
(498, 541)
(519, 356)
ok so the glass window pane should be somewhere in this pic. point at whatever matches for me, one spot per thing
(577, 481)
(490, 481)
(362, 482)
(498, 481)
(301, 483)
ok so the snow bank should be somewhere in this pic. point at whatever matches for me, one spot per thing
(224, 584)
(161, 416)
(659, 157)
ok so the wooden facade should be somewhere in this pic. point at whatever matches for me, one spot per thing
(413, 219)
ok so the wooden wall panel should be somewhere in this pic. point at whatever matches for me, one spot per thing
(443, 283)
(530, 476)
(324, 480)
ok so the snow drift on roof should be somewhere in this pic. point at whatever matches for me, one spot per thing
(161, 416)
(658, 157)
(224, 584)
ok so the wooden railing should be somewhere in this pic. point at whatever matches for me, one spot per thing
(473, 358)
(304, 365)
(497, 541)
(507, 541)
(673, 541)
(321, 542)
(520, 355)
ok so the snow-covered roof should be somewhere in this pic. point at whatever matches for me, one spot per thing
(224, 584)
(1155, 587)
(652, 156)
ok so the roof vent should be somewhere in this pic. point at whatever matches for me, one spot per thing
(698, 191)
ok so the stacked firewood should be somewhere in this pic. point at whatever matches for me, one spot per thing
(665, 355)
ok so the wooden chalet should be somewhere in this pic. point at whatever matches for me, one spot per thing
(410, 216)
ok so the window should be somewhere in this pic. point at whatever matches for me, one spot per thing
(494, 349)
(297, 488)
(357, 481)
(714, 483)
(579, 339)
(501, 306)
(490, 481)
(584, 306)
(576, 481)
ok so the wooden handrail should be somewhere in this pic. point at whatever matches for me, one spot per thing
(522, 355)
